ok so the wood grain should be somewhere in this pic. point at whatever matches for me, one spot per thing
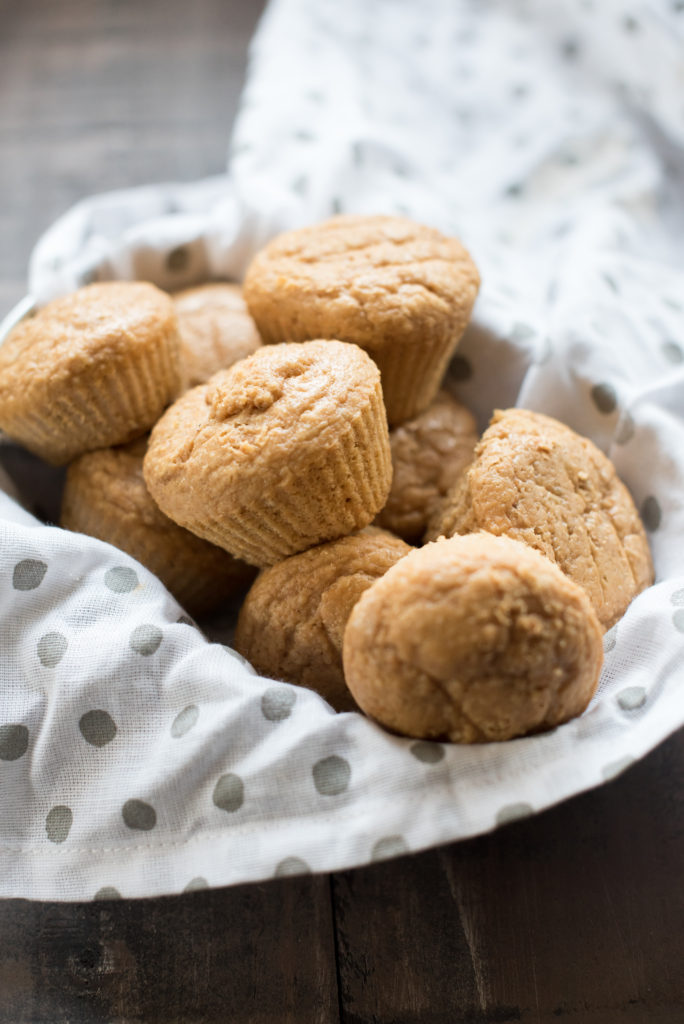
(104, 94)
(258, 953)
(575, 915)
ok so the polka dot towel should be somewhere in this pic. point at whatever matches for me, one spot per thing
(136, 758)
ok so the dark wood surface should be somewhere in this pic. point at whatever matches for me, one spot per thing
(576, 915)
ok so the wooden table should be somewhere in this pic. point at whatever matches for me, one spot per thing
(576, 915)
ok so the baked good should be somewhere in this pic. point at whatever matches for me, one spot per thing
(473, 639)
(89, 370)
(399, 290)
(292, 621)
(536, 480)
(285, 449)
(215, 330)
(428, 454)
(105, 496)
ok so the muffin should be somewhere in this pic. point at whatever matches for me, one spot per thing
(536, 480)
(292, 622)
(428, 454)
(401, 291)
(105, 496)
(93, 369)
(473, 639)
(285, 449)
(215, 330)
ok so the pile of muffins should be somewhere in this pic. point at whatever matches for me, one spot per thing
(294, 431)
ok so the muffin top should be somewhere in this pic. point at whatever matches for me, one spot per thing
(536, 480)
(257, 421)
(428, 454)
(292, 622)
(215, 328)
(362, 279)
(473, 639)
(82, 333)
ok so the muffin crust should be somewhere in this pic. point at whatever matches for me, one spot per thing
(292, 622)
(215, 330)
(105, 497)
(536, 480)
(89, 370)
(285, 449)
(428, 454)
(399, 290)
(473, 639)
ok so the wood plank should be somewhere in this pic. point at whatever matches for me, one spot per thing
(104, 94)
(575, 915)
(258, 954)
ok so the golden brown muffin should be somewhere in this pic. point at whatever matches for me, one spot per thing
(215, 328)
(428, 454)
(292, 622)
(105, 496)
(401, 291)
(473, 639)
(93, 369)
(285, 449)
(536, 480)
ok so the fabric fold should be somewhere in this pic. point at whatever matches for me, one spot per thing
(136, 757)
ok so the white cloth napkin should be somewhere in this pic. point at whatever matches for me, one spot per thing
(136, 758)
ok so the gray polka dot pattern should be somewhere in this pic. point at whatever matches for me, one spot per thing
(184, 721)
(14, 740)
(137, 814)
(604, 398)
(672, 352)
(107, 892)
(229, 793)
(292, 866)
(632, 698)
(58, 823)
(51, 649)
(146, 639)
(241, 777)
(234, 656)
(97, 727)
(28, 574)
(196, 884)
(513, 812)
(331, 775)
(609, 640)
(121, 579)
(428, 753)
(277, 703)
(522, 332)
(651, 514)
(389, 846)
